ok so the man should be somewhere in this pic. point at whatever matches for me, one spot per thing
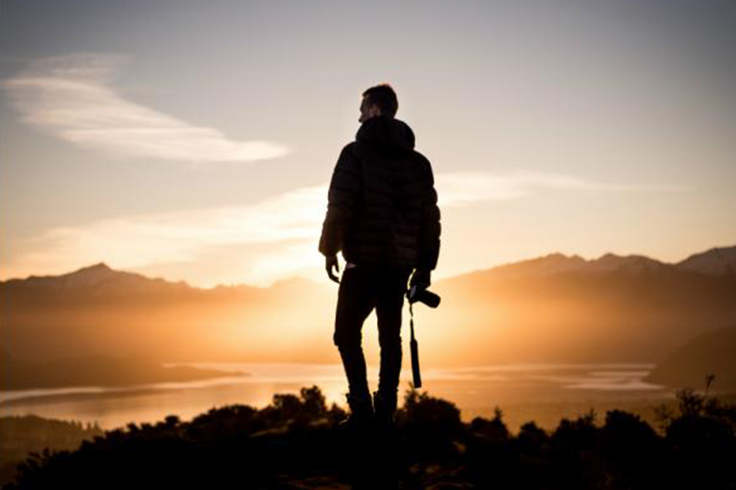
(382, 215)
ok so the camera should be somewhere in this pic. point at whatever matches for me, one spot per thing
(423, 296)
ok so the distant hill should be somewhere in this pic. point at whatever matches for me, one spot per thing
(716, 261)
(96, 371)
(22, 435)
(555, 308)
(559, 308)
(99, 283)
(713, 353)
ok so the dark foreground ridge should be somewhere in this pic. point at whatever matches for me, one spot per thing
(295, 443)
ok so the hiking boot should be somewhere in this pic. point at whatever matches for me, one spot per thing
(361, 412)
(385, 410)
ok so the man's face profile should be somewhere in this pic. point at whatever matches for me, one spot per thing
(366, 111)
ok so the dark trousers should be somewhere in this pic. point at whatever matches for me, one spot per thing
(363, 288)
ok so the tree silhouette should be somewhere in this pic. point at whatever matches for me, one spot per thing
(296, 442)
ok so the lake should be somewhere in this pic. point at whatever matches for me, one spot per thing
(543, 393)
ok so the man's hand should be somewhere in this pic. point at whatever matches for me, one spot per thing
(330, 262)
(421, 279)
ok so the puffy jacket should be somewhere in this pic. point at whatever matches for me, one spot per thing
(382, 204)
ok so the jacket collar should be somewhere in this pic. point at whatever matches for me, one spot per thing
(386, 134)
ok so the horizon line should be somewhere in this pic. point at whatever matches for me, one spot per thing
(297, 276)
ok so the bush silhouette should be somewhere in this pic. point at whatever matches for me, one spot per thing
(296, 442)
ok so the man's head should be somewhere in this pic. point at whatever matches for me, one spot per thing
(377, 101)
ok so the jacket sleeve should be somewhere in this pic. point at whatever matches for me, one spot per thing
(342, 198)
(430, 228)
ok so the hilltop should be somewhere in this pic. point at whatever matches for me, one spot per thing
(294, 443)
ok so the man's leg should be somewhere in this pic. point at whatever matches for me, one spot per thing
(354, 304)
(389, 304)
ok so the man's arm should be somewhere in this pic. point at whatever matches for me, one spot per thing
(429, 233)
(342, 198)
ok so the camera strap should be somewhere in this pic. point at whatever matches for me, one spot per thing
(414, 348)
(411, 319)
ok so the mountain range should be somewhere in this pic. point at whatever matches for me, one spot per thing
(549, 309)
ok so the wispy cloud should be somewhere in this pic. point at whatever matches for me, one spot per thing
(463, 188)
(72, 98)
(284, 221)
(255, 243)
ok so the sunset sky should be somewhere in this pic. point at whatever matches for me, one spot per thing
(194, 140)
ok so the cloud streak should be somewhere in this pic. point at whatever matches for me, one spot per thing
(464, 188)
(139, 241)
(71, 98)
(255, 243)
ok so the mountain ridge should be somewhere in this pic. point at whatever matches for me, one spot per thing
(714, 261)
(557, 263)
(554, 308)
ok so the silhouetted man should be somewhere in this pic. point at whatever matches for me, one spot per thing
(383, 216)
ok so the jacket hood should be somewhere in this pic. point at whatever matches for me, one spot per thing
(386, 134)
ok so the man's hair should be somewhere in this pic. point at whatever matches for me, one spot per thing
(384, 97)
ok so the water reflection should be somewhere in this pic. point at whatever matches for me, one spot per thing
(520, 389)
